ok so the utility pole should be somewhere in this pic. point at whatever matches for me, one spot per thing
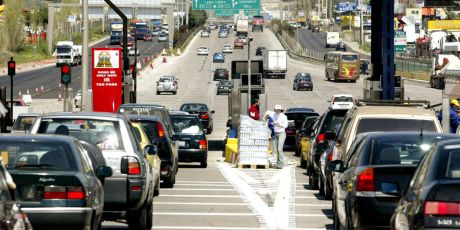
(85, 55)
(187, 6)
(361, 23)
(249, 71)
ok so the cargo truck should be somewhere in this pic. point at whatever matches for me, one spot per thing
(67, 52)
(141, 29)
(258, 23)
(274, 64)
(332, 39)
(242, 26)
(116, 32)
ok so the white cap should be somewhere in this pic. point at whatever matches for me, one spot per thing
(278, 107)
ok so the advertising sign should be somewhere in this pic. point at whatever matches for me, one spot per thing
(346, 6)
(400, 41)
(226, 4)
(107, 79)
(443, 25)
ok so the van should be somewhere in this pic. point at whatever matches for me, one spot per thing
(332, 39)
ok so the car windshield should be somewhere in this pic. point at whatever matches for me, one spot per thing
(24, 122)
(218, 55)
(397, 149)
(349, 57)
(333, 118)
(194, 107)
(150, 129)
(165, 79)
(104, 134)
(299, 118)
(30, 155)
(183, 124)
(63, 49)
(394, 124)
(343, 99)
(452, 168)
(305, 78)
(225, 83)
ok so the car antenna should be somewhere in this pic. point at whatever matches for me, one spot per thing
(421, 129)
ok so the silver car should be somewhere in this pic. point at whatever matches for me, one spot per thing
(205, 33)
(227, 49)
(113, 135)
(166, 84)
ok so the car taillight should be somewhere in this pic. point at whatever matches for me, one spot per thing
(205, 116)
(203, 144)
(161, 131)
(366, 180)
(442, 208)
(134, 167)
(62, 192)
(331, 154)
(320, 138)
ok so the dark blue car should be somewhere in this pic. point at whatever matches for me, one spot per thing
(218, 57)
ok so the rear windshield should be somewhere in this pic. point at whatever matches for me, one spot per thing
(452, 169)
(299, 118)
(349, 57)
(24, 123)
(193, 107)
(37, 155)
(305, 77)
(389, 124)
(186, 124)
(150, 129)
(104, 134)
(165, 79)
(333, 118)
(343, 99)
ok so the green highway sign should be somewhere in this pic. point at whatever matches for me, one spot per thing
(226, 4)
(228, 13)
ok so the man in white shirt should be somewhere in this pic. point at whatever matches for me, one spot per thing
(280, 122)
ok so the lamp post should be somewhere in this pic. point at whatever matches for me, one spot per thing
(249, 70)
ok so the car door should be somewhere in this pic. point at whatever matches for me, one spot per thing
(170, 132)
(94, 186)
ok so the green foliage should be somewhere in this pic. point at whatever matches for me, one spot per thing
(11, 31)
(196, 18)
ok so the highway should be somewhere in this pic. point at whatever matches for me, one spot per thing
(222, 197)
(49, 77)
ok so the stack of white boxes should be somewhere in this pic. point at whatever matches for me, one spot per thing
(253, 142)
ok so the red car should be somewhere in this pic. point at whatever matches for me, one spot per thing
(238, 43)
(148, 37)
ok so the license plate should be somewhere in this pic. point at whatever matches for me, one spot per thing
(181, 143)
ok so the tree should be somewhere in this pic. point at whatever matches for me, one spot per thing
(13, 25)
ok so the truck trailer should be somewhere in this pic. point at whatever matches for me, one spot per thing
(274, 63)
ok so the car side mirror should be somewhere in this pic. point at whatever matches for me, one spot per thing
(329, 136)
(213, 111)
(335, 166)
(104, 171)
(151, 150)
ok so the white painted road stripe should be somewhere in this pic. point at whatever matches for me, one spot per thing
(203, 204)
(210, 185)
(314, 205)
(306, 197)
(202, 189)
(204, 214)
(202, 182)
(313, 215)
(224, 228)
(215, 196)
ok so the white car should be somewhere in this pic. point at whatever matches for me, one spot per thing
(203, 50)
(166, 84)
(131, 51)
(163, 37)
(205, 33)
(342, 101)
(227, 49)
(212, 26)
(223, 34)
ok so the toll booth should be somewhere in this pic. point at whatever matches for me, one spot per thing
(373, 90)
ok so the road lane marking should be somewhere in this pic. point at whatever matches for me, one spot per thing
(313, 205)
(313, 215)
(202, 189)
(225, 228)
(206, 182)
(204, 214)
(207, 196)
(210, 185)
(201, 203)
(307, 197)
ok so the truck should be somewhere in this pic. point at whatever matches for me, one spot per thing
(156, 23)
(141, 28)
(444, 66)
(116, 32)
(274, 64)
(242, 26)
(258, 23)
(301, 18)
(68, 52)
(332, 39)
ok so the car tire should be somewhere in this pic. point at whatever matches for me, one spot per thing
(327, 77)
(204, 163)
(137, 219)
(313, 182)
(303, 162)
(321, 186)
(209, 130)
(170, 181)
(149, 215)
(327, 191)
(156, 191)
(158, 92)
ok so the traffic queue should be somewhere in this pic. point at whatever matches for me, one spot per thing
(383, 164)
(74, 170)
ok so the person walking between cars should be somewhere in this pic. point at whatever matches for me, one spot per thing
(454, 121)
(254, 110)
(280, 122)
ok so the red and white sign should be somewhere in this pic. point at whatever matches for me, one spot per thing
(107, 79)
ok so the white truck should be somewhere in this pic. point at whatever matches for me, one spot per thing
(332, 39)
(444, 66)
(274, 64)
(242, 26)
(67, 52)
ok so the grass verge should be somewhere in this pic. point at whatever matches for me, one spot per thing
(415, 76)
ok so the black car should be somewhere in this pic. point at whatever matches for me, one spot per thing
(56, 183)
(224, 87)
(193, 145)
(220, 74)
(376, 170)
(325, 176)
(303, 131)
(203, 112)
(297, 118)
(341, 47)
(260, 51)
(302, 81)
(327, 122)
(298, 109)
(11, 214)
(432, 200)
(315, 29)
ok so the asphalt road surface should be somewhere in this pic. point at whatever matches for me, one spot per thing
(50, 76)
(222, 197)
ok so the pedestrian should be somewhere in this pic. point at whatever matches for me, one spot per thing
(454, 121)
(280, 122)
(270, 124)
(254, 110)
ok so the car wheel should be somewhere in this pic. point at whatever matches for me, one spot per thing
(158, 92)
(209, 130)
(204, 163)
(149, 215)
(137, 219)
(156, 192)
(327, 77)
(327, 191)
(321, 186)
(303, 162)
(313, 182)
(170, 181)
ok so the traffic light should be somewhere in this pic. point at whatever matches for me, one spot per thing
(66, 74)
(11, 68)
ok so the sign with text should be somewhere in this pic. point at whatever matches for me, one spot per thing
(107, 79)
(228, 13)
(400, 41)
(226, 4)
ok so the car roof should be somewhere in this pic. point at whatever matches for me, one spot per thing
(142, 105)
(29, 114)
(303, 112)
(184, 115)
(397, 110)
(413, 133)
(37, 137)
(83, 114)
(194, 103)
(342, 95)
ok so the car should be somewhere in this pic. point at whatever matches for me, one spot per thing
(227, 49)
(302, 131)
(163, 37)
(238, 43)
(325, 176)
(341, 47)
(304, 136)
(212, 26)
(220, 74)
(77, 99)
(315, 29)
(161, 134)
(342, 101)
(202, 50)
(56, 183)
(203, 112)
(156, 32)
(260, 50)
(303, 81)
(113, 135)
(299, 108)
(148, 37)
(218, 57)
(295, 120)
(12, 217)
(24, 122)
(243, 38)
(205, 33)
(224, 87)
(193, 145)
(223, 34)
(132, 51)
(166, 84)
(432, 198)
(372, 175)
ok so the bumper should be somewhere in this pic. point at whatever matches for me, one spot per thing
(166, 90)
(119, 196)
(304, 86)
(223, 91)
(59, 215)
(374, 214)
(166, 169)
(205, 124)
(192, 155)
(290, 142)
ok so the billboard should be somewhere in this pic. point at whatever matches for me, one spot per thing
(107, 79)
(443, 25)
